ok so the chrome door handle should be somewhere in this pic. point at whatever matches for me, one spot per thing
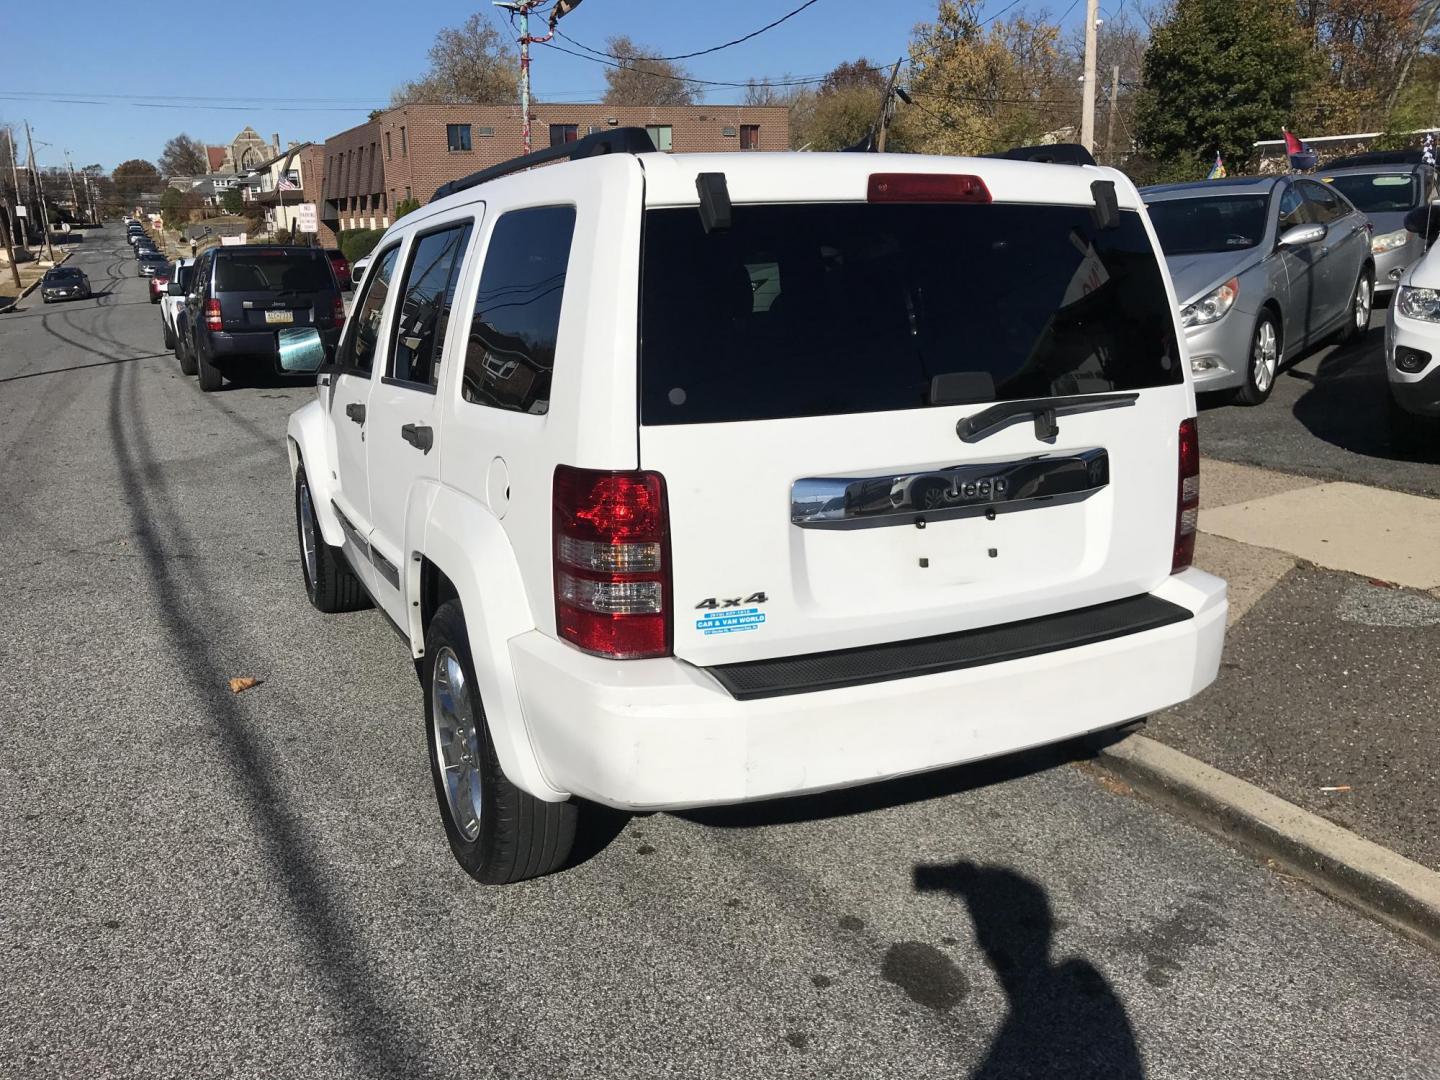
(418, 436)
(355, 411)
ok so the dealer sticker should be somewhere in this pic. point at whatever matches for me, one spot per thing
(732, 621)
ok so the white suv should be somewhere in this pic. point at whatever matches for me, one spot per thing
(693, 479)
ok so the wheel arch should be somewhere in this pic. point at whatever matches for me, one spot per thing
(462, 538)
(305, 443)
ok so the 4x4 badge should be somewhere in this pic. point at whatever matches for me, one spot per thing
(711, 603)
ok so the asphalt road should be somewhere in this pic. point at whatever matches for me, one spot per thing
(1327, 417)
(197, 883)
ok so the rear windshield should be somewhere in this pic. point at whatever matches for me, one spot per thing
(1208, 224)
(827, 309)
(280, 272)
(1378, 193)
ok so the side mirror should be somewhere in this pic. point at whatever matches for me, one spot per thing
(1303, 235)
(301, 350)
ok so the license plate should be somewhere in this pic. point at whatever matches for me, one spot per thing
(273, 317)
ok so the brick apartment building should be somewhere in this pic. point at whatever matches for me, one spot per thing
(409, 151)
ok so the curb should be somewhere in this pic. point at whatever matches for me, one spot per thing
(1389, 887)
(30, 288)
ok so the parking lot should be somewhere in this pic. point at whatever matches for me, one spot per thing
(203, 883)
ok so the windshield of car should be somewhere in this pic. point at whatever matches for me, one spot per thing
(827, 309)
(273, 272)
(63, 274)
(1209, 223)
(1378, 193)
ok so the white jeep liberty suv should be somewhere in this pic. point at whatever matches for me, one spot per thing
(701, 478)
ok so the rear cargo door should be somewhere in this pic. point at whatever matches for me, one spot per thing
(883, 422)
(270, 289)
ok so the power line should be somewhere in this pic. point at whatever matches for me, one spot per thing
(600, 59)
(699, 52)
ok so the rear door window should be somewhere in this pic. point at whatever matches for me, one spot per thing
(829, 309)
(429, 292)
(357, 353)
(510, 354)
(275, 273)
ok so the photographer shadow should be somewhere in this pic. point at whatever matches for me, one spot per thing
(1065, 1019)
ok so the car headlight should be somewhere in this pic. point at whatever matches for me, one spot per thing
(1419, 303)
(1212, 306)
(1388, 241)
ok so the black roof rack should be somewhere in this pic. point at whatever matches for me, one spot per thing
(625, 140)
(1051, 153)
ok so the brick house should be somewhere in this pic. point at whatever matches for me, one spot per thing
(409, 151)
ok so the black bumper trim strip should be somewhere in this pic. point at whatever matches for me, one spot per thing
(947, 652)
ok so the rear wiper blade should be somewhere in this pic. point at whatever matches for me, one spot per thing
(1044, 410)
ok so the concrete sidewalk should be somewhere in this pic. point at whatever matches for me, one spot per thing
(1328, 692)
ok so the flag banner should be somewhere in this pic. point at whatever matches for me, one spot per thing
(1217, 171)
(1301, 156)
(1427, 149)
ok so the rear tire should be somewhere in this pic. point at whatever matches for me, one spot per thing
(1362, 301)
(329, 582)
(498, 833)
(168, 335)
(1262, 366)
(185, 356)
(210, 377)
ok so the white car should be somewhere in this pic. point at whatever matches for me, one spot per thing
(173, 300)
(1412, 353)
(634, 514)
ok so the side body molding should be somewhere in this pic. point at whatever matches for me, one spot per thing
(466, 541)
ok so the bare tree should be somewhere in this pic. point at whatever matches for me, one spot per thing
(469, 63)
(643, 79)
(183, 156)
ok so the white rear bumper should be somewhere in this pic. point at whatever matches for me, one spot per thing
(661, 734)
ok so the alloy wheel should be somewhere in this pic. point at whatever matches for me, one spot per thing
(308, 549)
(457, 743)
(1265, 356)
(1362, 304)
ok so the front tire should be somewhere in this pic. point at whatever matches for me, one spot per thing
(1362, 300)
(498, 833)
(1263, 364)
(329, 582)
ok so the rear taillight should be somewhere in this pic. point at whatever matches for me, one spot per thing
(1187, 509)
(338, 311)
(214, 320)
(612, 555)
(926, 188)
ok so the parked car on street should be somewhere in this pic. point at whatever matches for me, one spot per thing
(1412, 341)
(64, 283)
(177, 279)
(1263, 268)
(1385, 193)
(240, 296)
(341, 266)
(152, 262)
(647, 527)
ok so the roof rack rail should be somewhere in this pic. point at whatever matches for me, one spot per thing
(1050, 153)
(625, 140)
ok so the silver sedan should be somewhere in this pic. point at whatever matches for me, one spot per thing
(1263, 268)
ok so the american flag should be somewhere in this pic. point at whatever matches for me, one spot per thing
(286, 184)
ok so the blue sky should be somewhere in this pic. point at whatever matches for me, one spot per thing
(346, 58)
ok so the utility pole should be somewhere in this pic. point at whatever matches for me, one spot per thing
(40, 188)
(887, 104)
(74, 195)
(1110, 119)
(523, 8)
(15, 175)
(9, 243)
(1087, 99)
